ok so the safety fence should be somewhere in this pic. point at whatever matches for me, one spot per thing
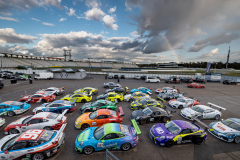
(25, 71)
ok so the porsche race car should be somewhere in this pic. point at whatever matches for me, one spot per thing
(134, 96)
(111, 96)
(142, 89)
(165, 89)
(168, 96)
(195, 85)
(118, 90)
(88, 90)
(78, 97)
(12, 108)
(111, 85)
(38, 98)
(183, 102)
(141, 104)
(54, 90)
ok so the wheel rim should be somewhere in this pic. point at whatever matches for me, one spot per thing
(199, 141)
(126, 146)
(237, 140)
(84, 126)
(170, 143)
(13, 131)
(217, 117)
(38, 156)
(88, 150)
(10, 113)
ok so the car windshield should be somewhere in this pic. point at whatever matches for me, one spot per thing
(181, 100)
(197, 109)
(143, 101)
(26, 120)
(147, 111)
(9, 143)
(114, 113)
(172, 127)
(231, 124)
(99, 133)
(93, 115)
(46, 136)
(163, 111)
(124, 129)
(53, 116)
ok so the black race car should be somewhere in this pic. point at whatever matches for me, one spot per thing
(199, 80)
(115, 77)
(186, 80)
(151, 114)
(122, 76)
(117, 90)
(229, 82)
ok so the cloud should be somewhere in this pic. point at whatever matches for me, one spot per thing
(93, 3)
(117, 39)
(71, 12)
(212, 53)
(127, 45)
(48, 24)
(8, 19)
(214, 40)
(134, 34)
(102, 32)
(63, 19)
(111, 10)
(95, 14)
(109, 22)
(36, 19)
(8, 35)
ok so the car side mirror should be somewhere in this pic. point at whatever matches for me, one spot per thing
(6, 152)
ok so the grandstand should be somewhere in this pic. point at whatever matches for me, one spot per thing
(12, 60)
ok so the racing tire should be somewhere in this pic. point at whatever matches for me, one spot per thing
(143, 121)
(169, 143)
(199, 117)
(88, 150)
(44, 101)
(119, 100)
(85, 126)
(23, 101)
(48, 128)
(13, 131)
(180, 107)
(198, 140)
(83, 101)
(237, 139)
(126, 146)
(10, 113)
(38, 156)
(39, 111)
(166, 119)
(217, 117)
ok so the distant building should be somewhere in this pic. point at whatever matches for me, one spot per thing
(169, 65)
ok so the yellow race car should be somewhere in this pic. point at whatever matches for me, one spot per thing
(141, 104)
(134, 96)
(111, 96)
(81, 97)
(88, 90)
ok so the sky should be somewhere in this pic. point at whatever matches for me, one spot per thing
(141, 31)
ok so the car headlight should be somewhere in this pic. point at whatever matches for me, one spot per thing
(81, 143)
(229, 134)
(162, 137)
(79, 122)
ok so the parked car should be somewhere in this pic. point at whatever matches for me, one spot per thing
(143, 77)
(116, 77)
(110, 77)
(137, 77)
(172, 80)
(111, 85)
(186, 80)
(199, 80)
(152, 79)
(229, 82)
(122, 76)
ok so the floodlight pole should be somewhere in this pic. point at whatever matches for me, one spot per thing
(89, 68)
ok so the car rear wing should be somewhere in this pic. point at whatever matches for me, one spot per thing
(61, 88)
(61, 130)
(73, 101)
(169, 108)
(220, 108)
(136, 127)
(61, 115)
(199, 121)
(121, 113)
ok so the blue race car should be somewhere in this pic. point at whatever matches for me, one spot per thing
(14, 107)
(227, 130)
(177, 132)
(142, 89)
(57, 106)
(111, 135)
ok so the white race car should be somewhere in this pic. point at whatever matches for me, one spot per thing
(42, 120)
(36, 144)
(53, 90)
(183, 102)
(166, 90)
(202, 112)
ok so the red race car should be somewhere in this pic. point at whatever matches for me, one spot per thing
(37, 98)
(195, 85)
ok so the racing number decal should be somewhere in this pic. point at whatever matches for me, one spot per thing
(100, 145)
(31, 134)
(179, 140)
(94, 123)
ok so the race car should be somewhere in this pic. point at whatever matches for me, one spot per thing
(134, 96)
(111, 135)
(98, 118)
(177, 132)
(169, 96)
(43, 120)
(165, 89)
(141, 104)
(79, 97)
(2, 120)
(14, 107)
(231, 82)
(142, 89)
(227, 130)
(57, 106)
(151, 114)
(183, 102)
(38, 98)
(195, 85)
(202, 112)
(36, 144)
(99, 104)
(111, 85)
(111, 96)
(121, 91)
(54, 90)
(88, 90)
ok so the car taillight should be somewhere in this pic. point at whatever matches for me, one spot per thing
(56, 142)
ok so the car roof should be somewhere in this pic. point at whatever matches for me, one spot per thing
(155, 108)
(9, 102)
(111, 127)
(52, 88)
(235, 120)
(35, 131)
(103, 112)
(42, 115)
(204, 107)
(184, 124)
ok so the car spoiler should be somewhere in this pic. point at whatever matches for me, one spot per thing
(169, 108)
(61, 88)
(136, 127)
(220, 108)
(61, 115)
(195, 99)
(73, 101)
(199, 121)
(121, 113)
(56, 138)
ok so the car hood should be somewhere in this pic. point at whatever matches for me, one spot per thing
(137, 113)
(175, 102)
(222, 128)
(87, 134)
(189, 111)
(5, 139)
(83, 117)
(160, 130)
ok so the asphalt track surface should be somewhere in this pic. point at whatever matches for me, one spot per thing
(223, 95)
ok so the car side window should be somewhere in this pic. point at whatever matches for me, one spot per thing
(7, 107)
(157, 113)
(121, 135)
(100, 117)
(20, 145)
(111, 136)
(34, 121)
(186, 131)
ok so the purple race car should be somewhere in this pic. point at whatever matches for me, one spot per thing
(177, 132)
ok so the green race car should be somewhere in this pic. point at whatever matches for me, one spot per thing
(99, 104)
(141, 104)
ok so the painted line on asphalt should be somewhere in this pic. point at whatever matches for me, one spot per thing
(18, 90)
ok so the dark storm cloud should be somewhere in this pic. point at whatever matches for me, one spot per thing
(128, 45)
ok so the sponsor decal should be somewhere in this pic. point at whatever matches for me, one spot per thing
(159, 130)
(31, 134)
(179, 140)
(106, 146)
(94, 123)
(220, 126)
(186, 141)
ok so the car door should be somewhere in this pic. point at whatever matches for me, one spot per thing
(111, 97)
(52, 108)
(186, 136)
(13, 151)
(208, 114)
(108, 141)
(100, 120)
(33, 99)
(32, 124)
(156, 116)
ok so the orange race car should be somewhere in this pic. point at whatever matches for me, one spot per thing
(98, 118)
